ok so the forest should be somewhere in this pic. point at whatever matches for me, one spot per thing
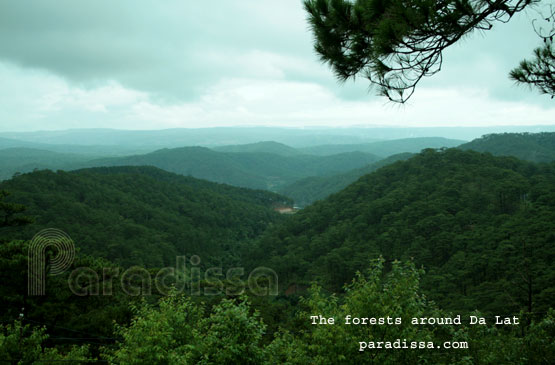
(277, 182)
(440, 233)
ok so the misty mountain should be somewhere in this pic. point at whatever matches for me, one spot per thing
(308, 190)
(221, 136)
(385, 148)
(535, 147)
(92, 151)
(264, 147)
(20, 160)
(179, 137)
(252, 170)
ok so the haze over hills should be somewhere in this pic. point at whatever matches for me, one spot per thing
(308, 190)
(86, 150)
(538, 147)
(264, 147)
(220, 136)
(17, 160)
(253, 170)
(264, 165)
(385, 148)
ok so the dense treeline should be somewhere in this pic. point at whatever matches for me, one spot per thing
(179, 331)
(535, 147)
(482, 226)
(116, 216)
(142, 215)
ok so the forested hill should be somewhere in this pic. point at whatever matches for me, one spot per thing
(264, 146)
(535, 147)
(17, 160)
(252, 170)
(142, 215)
(308, 190)
(482, 226)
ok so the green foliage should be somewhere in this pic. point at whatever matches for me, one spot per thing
(23, 344)
(370, 294)
(20, 343)
(177, 332)
(397, 294)
(64, 313)
(394, 44)
(306, 191)
(142, 215)
(538, 73)
(21, 160)
(540, 340)
(10, 213)
(481, 225)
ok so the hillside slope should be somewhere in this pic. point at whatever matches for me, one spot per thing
(142, 215)
(535, 147)
(308, 190)
(482, 226)
(19, 159)
(252, 170)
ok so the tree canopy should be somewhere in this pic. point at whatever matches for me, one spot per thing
(394, 44)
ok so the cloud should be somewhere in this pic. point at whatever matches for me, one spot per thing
(155, 64)
(172, 48)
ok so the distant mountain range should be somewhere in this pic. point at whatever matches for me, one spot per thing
(99, 150)
(259, 170)
(385, 148)
(220, 136)
(378, 148)
(262, 147)
(20, 159)
(305, 174)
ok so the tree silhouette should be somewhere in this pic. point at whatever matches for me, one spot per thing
(394, 44)
(539, 73)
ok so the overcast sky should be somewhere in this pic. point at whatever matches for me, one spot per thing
(165, 64)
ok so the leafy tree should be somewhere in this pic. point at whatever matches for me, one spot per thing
(398, 295)
(178, 332)
(10, 213)
(23, 344)
(394, 44)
